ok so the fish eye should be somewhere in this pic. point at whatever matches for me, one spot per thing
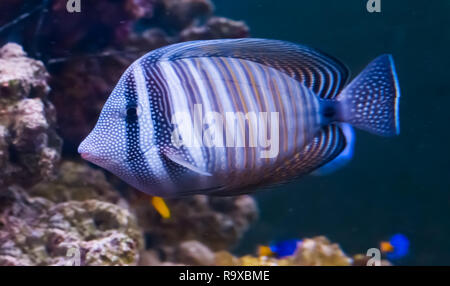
(132, 111)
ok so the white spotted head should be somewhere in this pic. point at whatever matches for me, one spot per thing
(122, 140)
(106, 145)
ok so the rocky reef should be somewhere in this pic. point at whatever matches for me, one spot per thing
(216, 222)
(29, 146)
(318, 251)
(37, 231)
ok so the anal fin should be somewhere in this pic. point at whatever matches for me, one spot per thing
(344, 157)
(326, 146)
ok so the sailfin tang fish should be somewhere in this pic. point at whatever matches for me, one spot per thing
(226, 117)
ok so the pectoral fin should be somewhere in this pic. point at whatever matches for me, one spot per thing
(177, 158)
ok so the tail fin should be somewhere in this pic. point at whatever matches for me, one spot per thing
(371, 101)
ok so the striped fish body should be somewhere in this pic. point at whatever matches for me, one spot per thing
(238, 87)
(225, 117)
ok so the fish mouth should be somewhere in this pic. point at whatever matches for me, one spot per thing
(99, 161)
(86, 156)
(90, 154)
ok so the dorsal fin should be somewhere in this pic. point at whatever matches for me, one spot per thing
(323, 74)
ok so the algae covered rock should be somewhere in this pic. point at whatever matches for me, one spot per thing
(21, 77)
(217, 222)
(179, 14)
(216, 28)
(29, 145)
(318, 251)
(36, 231)
(43, 224)
(77, 181)
(188, 253)
(194, 253)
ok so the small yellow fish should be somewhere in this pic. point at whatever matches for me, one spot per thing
(161, 207)
(264, 251)
(386, 247)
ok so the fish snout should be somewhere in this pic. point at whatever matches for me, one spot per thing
(85, 155)
(100, 152)
(87, 151)
(83, 151)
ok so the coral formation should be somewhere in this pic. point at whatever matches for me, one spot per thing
(179, 14)
(77, 181)
(36, 231)
(194, 253)
(29, 145)
(318, 251)
(219, 223)
(88, 213)
(215, 28)
(79, 210)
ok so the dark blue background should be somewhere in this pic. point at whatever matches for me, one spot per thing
(393, 185)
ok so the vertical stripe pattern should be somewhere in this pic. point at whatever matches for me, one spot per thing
(227, 85)
(263, 97)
